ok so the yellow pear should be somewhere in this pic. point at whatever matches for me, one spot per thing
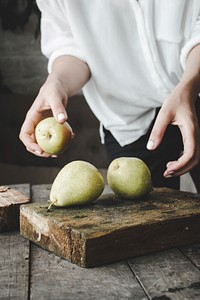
(78, 183)
(52, 136)
(129, 177)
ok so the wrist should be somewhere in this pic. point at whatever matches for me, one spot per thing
(191, 75)
(191, 87)
(55, 79)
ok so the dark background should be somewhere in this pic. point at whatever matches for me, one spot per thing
(23, 70)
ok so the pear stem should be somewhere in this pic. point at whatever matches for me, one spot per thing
(50, 205)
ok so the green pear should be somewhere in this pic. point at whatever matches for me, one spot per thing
(52, 136)
(78, 183)
(129, 177)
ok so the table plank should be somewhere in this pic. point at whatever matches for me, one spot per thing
(55, 278)
(193, 253)
(167, 274)
(40, 193)
(14, 261)
(14, 266)
(24, 188)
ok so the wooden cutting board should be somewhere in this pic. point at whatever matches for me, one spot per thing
(10, 201)
(112, 229)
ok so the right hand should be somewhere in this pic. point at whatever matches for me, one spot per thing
(179, 109)
(51, 100)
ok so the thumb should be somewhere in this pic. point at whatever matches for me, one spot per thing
(157, 133)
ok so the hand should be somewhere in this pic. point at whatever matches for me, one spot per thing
(51, 100)
(68, 76)
(179, 109)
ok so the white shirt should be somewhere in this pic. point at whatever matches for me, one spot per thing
(136, 52)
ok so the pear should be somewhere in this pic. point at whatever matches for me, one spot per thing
(78, 183)
(129, 177)
(52, 136)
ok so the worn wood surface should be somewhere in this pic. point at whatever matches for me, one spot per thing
(56, 278)
(193, 253)
(14, 266)
(14, 261)
(10, 201)
(30, 272)
(113, 229)
(168, 274)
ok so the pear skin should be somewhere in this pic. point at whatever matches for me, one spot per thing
(52, 136)
(78, 183)
(129, 177)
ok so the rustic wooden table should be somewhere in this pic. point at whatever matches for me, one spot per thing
(29, 272)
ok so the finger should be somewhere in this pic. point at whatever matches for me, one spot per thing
(179, 167)
(27, 135)
(190, 155)
(29, 141)
(158, 130)
(183, 165)
(30, 144)
(58, 110)
(42, 154)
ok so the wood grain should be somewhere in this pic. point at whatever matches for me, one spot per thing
(14, 266)
(167, 275)
(14, 261)
(113, 229)
(55, 278)
(10, 201)
(193, 253)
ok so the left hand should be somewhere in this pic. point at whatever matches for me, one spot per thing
(179, 109)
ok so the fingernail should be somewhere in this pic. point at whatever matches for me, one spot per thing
(61, 116)
(54, 156)
(38, 152)
(169, 174)
(150, 145)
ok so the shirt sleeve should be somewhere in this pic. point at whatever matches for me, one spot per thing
(56, 35)
(191, 43)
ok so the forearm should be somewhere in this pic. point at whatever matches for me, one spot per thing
(71, 72)
(191, 75)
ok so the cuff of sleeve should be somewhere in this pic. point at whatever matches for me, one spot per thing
(186, 50)
(73, 52)
(102, 134)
